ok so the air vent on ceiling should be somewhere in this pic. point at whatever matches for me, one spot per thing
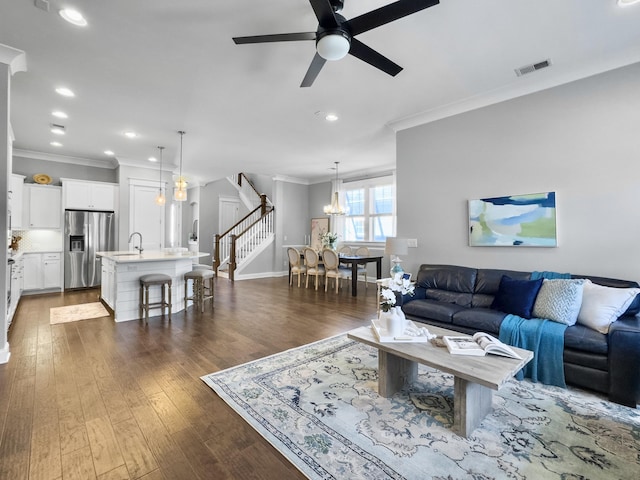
(42, 4)
(533, 67)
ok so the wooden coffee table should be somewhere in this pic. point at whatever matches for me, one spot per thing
(475, 378)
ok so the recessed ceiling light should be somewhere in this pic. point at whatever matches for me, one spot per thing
(55, 144)
(57, 129)
(108, 152)
(73, 16)
(130, 134)
(626, 3)
(59, 114)
(153, 159)
(65, 92)
(331, 117)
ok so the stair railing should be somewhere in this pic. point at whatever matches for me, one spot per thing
(233, 245)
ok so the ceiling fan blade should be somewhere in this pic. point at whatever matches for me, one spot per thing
(314, 69)
(278, 37)
(387, 14)
(373, 58)
(324, 13)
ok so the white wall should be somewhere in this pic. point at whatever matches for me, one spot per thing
(56, 170)
(580, 140)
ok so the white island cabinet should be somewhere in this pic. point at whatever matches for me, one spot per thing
(121, 272)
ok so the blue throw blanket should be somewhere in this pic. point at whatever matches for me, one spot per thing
(549, 275)
(545, 338)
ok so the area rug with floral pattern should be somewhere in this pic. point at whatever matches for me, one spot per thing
(318, 405)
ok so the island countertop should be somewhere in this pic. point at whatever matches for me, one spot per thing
(124, 256)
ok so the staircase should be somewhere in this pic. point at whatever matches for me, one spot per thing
(242, 242)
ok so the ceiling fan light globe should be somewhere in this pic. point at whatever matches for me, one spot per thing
(333, 46)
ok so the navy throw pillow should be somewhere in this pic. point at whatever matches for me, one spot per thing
(516, 296)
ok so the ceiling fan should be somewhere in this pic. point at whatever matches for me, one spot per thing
(335, 35)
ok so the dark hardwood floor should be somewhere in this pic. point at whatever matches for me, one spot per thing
(99, 399)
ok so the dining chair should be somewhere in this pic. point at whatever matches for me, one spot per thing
(295, 264)
(333, 269)
(314, 268)
(345, 250)
(362, 269)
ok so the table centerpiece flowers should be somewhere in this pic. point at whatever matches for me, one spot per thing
(329, 240)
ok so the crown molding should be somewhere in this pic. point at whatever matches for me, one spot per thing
(16, 59)
(557, 75)
(52, 157)
(287, 179)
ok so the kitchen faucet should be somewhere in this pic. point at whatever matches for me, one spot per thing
(139, 248)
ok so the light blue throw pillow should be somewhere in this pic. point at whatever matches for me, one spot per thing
(559, 300)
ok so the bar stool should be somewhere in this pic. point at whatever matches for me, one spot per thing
(154, 279)
(200, 289)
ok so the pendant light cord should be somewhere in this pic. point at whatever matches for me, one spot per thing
(160, 179)
(181, 132)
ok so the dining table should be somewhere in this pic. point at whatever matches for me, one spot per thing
(354, 261)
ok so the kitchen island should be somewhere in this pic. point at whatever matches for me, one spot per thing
(122, 270)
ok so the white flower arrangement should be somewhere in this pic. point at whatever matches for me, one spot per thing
(391, 286)
(328, 238)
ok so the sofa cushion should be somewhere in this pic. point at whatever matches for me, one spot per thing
(601, 306)
(586, 359)
(579, 337)
(488, 279)
(445, 296)
(480, 319)
(440, 311)
(447, 277)
(516, 296)
(559, 300)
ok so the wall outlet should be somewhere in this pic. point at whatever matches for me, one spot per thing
(412, 242)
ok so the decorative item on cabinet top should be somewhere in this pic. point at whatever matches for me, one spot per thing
(42, 178)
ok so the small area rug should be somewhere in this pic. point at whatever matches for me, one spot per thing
(73, 313)
(318, 405)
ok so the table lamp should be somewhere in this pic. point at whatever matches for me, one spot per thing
(395, 246)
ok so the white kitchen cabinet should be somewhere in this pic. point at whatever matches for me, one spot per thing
(42, 206)
(42, 271)
(16, 193)
(82, 195)
(51, 271)
(16, 287)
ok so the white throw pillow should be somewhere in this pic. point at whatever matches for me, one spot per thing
(559, 300)
(601, 306)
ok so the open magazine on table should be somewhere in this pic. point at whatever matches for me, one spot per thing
(478, 345)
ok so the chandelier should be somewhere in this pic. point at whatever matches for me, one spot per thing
(180, 190)
(335, 208)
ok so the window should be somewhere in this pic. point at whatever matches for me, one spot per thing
(371, 207)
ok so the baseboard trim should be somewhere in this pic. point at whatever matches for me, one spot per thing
(252, 276)
(284, 273)
(5, 354)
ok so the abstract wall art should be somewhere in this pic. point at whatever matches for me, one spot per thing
(516, 220)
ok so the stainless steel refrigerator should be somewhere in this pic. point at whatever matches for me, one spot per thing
(86, 233)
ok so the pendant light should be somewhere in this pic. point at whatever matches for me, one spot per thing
(335, 208)
(160, 199)
(180, 190)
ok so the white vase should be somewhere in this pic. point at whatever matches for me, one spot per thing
(395, 322)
